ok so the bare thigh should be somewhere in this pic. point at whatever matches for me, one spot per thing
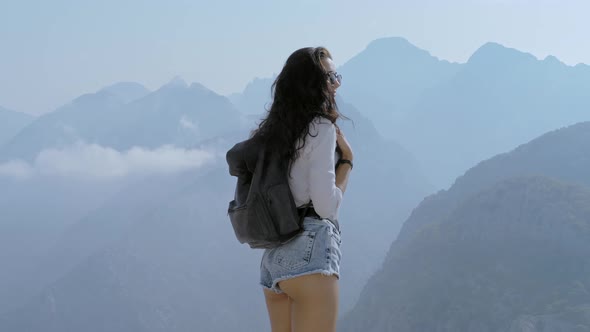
(279, 310)
(315, 302)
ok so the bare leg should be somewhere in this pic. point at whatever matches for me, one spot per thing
(279, 310)
(315, 302)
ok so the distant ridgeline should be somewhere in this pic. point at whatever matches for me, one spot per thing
(452, 115)
(507, 248)
(11, 123)
(127, 115)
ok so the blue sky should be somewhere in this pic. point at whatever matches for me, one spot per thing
(53, 51)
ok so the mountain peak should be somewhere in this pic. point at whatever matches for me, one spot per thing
(390, 41)
(177, 81)
(127, 91)
(552, 60)
(395, 46)
(492, 52)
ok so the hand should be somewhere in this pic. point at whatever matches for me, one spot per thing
(343, 145)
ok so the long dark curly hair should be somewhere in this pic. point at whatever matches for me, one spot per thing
(300, 94)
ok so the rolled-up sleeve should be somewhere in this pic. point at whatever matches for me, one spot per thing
(325, 195)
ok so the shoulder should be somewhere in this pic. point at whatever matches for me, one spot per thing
(322, 120)
(322, 135)
(321, 126)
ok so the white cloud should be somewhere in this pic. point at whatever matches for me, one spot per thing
(91, 160)
(188, 124)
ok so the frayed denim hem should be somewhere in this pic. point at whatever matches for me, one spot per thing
(275, 287)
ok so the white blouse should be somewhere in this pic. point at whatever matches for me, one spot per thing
(313, 174)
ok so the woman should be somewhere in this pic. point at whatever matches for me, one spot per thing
(300, 277)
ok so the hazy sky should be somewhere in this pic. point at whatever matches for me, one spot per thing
(53, 51)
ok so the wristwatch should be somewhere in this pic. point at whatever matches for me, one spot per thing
(345, 161)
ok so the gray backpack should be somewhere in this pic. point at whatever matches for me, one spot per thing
(263, 212)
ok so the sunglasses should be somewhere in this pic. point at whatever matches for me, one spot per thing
(334, 77)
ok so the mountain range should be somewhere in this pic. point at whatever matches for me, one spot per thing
(186, 212)
(504, 249)
(453, 115)
(148, 247)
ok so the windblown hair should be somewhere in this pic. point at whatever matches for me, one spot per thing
(300, 94)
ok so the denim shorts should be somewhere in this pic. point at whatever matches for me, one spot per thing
(315, 250)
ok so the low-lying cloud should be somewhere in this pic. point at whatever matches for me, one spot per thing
(92, 160)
